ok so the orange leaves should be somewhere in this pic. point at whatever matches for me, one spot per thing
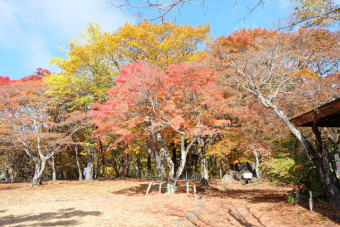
(179, 97)
(243, 39)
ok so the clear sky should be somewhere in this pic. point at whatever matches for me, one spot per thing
(33, 31)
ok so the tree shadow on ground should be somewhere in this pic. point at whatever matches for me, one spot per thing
(325, 209)
(129, 179)
(269, 196)
(239, 216)
(252, 195)
(242, 219)
(184, 217)
(142, 188)
(62, 216)
(8, 187)
(132, 191)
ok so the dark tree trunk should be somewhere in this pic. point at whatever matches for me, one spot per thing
(196, 163)
(327, 178)
(149, 161)
(189, 165)
(102, 159)
(139, 167)
(174, 158)
(125, 164)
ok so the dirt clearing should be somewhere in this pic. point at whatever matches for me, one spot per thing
(121, 202)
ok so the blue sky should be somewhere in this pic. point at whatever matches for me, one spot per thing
(33, 31)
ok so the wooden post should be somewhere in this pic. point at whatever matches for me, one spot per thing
(310, 201)
(221, 174)
(186, 174)
(147, 191)
(297, 196)
(168, 187)
(195, 191)
(187, 184)
(160, 188)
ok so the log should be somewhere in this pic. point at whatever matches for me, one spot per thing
(147, 191)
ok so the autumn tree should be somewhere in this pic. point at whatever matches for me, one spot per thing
(177, 100)
(93, 65)
(84, 79)
(27, 122)
(8, 154)
(158, 44)
(269, 66)
(316, 13)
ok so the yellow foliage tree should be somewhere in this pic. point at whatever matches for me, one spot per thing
(93, 65)
(313, 13)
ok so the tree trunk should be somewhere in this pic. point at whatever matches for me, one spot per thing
(97, 167)
(196, 163)
(138, 166)
(159, 164)
(39, 169)
(102, 159)
(327, 178)
(319, 156)
(80, 172)
(54, 174)
(189, 165)
(173, 179)
(90, 152)
(12, 174)
(116, 165)
(257, 171)
(125, 164)
(90, 163)
(149, 162)
(204, 163)
(174, 158)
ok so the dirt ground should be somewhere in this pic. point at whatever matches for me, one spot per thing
(122, 202)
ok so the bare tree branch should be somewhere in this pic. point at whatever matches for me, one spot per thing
(165, 7)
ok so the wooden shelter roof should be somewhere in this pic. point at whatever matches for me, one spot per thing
(327, 115)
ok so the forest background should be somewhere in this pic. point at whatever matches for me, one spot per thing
(161, 99)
